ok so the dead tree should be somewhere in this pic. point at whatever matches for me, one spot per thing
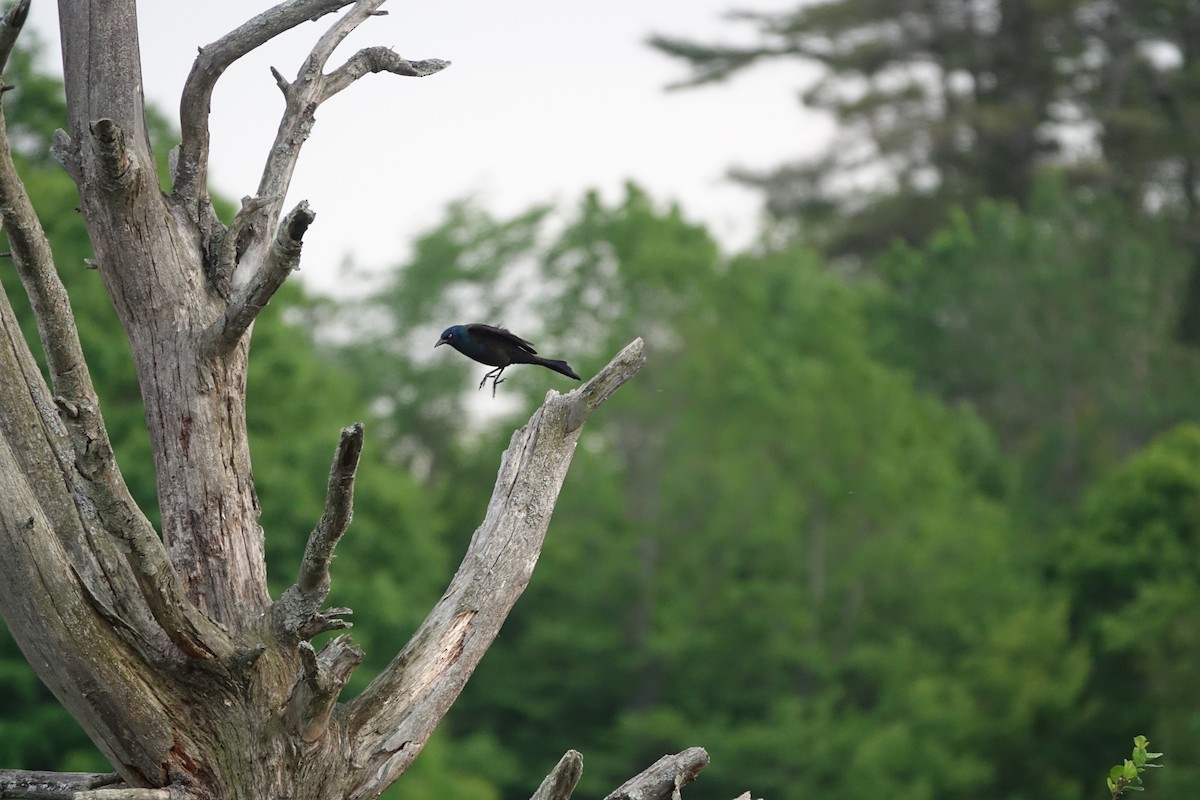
(167, 648)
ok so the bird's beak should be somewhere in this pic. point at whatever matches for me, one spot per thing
(440, 342)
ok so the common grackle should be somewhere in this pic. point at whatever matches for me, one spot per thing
(499, 348)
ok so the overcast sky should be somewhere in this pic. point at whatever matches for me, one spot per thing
(544, 100)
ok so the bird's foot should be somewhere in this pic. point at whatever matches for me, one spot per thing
(495, 376)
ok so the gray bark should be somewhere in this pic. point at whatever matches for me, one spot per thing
(169, 651)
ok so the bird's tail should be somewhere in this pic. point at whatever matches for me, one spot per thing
(558, 366)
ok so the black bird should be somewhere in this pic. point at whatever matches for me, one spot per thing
(497, 347)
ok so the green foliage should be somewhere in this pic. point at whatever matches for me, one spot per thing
(1132, 578)
(1127, 777)
(1056, 324)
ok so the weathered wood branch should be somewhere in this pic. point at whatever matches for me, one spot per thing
(63, 150)
(34, 262)
(312, 703)
(296, 610)
(314, 65)
(282, 259)
(129, 793)
(391, 720)
(10, 28)
(377, 59)
(118, 166)
(339, 508)
(623, 366)
(664, 778)
(233, 241)
(38, 785)
(562, 780)
(191, 167)
(302, 97)
(104, 71)
(76, 627)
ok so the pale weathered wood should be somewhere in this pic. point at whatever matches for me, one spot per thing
(302, 97)
(96, 475)
(151, 261)
(296, 612)
(561, 781)
(664, 778)
(283, 258)
(10, 28)
(37, 785)
(191, 169)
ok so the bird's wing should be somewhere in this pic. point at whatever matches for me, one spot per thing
(480, 329)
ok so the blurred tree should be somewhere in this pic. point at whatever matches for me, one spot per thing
(940, 102)
(1055, 323)
(1133, 579)
(945, 102)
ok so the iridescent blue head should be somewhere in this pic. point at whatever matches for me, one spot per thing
(454, 335)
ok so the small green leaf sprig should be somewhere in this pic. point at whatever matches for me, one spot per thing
(1127, 777)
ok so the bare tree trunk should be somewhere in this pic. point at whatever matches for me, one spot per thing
(169, 651)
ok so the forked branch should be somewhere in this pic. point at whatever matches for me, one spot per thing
(191, 171)
(392, 719)
(296, 612)
(316, 695)
(282, 259)
(303, 95)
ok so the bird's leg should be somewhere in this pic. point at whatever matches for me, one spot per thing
(496, 380)
(491, 374)
(495, 376)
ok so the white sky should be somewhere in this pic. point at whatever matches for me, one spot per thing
(544, 99)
